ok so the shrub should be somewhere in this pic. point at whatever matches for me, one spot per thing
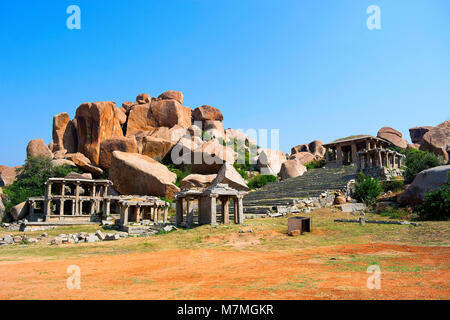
(392, 185)
(417, 161)
(260, 181)
(31, 179)
(394, 213)
(181, 173)
(315, 164)
(437, 203)
(367, 189)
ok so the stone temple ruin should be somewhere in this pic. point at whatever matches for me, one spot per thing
(228, 188)
(80, 200)
(370, 155)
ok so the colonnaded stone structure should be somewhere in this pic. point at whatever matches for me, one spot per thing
(84, 200)
(207, 205)
(138, 208)
(74, 198)
(363, 151)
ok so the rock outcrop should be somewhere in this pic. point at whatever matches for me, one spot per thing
(302, 157)
(417, 133)
(64, 134)
(197, 181)
(19, 211)
(125, 144)
(437, 140)
(232, 134)
(7, 175)
(83, 162)
(315, 148)
(270, 161)
(168, 113)
(172, 95)
(143, 98)
(96, 122)
(207, 113)
(393, 136)
(134, 173)
(210, 157)
(228, 175)
(291, 169)
(425, 181)
(139, 119)
(37, 147)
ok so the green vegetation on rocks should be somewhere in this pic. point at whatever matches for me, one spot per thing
(31, 179)
(417, 161)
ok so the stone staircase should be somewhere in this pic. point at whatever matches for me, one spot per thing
(286, 193)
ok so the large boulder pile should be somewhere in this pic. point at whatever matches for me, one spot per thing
(270, 161)
(433, 139)
(133, 140)
(7, 175)
(393, 136)
(64, 134)
(96, 122)
(38, 147)
(315, 148)
(424, 182)
(133, 173)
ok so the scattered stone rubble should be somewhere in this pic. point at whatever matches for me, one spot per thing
(81, 237)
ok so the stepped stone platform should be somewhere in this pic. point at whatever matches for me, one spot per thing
(288, 192)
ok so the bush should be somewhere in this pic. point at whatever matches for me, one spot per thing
(260, 181)
(31, 180)
(394, 213)
(367, 189)
(315, 164)
(181, 173)
(437, 203)
(417, 161)
(392, 185)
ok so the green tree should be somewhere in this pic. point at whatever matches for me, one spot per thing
(367, 189)
(260, 181)
(417, 161)
(437, 203)
(31, 180)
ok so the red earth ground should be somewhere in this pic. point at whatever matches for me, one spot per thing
(236, 274)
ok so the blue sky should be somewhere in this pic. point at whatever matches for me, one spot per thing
(309, 68)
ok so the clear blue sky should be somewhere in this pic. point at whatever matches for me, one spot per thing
(310, 68)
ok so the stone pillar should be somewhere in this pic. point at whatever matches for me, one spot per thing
(225, 210)
(77, 199)
(240, 210)
(72, 212)
(31, 204)
(379, 160)
(138, 213)
(124, 215)
(327, 158)
(92, 208)
(108, 208)
(236, 210)
(189, 213)
(61, 207)
(179, 215)
(387, 159)
(166, 214)
(212, 209)
(339, 155)
(47, 201)
(355, 157)
(358, 162)
(93, 190)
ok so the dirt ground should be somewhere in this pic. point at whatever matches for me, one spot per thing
(331, 272)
